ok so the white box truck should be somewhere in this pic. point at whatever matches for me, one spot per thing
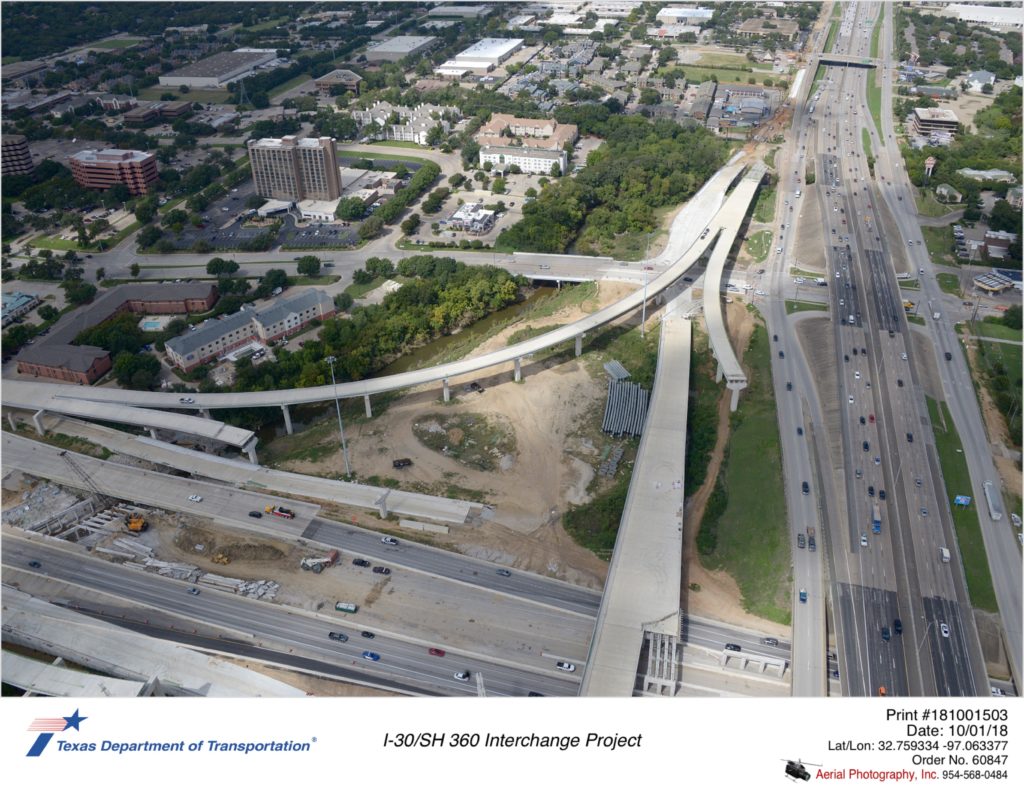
(936, 316)
(944, 554)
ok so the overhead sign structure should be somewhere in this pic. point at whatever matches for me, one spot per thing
(961, 499)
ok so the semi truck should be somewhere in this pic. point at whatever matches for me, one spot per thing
(876, 518)
(811, 542)
(995, 506)
(279, 510)
(316, 565)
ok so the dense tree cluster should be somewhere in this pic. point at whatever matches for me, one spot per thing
(418, 184)
(959, 46)
(643, 165)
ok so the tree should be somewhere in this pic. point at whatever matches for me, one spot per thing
(371, 228)
(77, 292)
(148, 236)
(379, 267)
(145, 211)
(134, 269)
(100, 274)
(1004, 218)
(309, 265)
(220, 267)
(556, 170)
(411, 224)
(650, 96)
(435, 135)
(137, 371)
(498, 186)
(48, 313)
(343, 301)
(351, 209)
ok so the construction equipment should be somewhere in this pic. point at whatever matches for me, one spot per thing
(316, 565)
(221, 558)
(279, 510)
(136, 524)
(104, 500)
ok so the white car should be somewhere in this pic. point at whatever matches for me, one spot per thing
(568, 667)
(903, 356)
(944, 629)
(798, 280)
(195, 498)
(856, 374)
(778, 249)
(850, 399)
(863, 539)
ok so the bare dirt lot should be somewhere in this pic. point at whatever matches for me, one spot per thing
(549, 468)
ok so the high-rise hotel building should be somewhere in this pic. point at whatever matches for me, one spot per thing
(295, 169)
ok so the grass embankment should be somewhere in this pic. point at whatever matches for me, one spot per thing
(939, 242)
(595, 525)
(360, 290)
(759, 245)
(284, 87)
(74, 444)
(874, 92)
(796, 306)
(833, 29)
(702, 414)
(769, 158)
(764, 210)
(876, 34)
(1000, 365)
(965, 518)
(744, 530)
(992, 328)
(917, 320)
(948, 283)
(929, 206)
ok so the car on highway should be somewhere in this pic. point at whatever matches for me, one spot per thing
(193, 591)
(899, 383)
(886, 634)
(944, 629)
(775, 338)
(195, 498)
(34, 564)
(897, 626)
(782, 354)
(462, 675)
(862, 421)
(186, 400)
(877, 460)
(881, 494)
(568, 667)
(803, 595)
(339, 636)
(865, 445)
(256, 514)
(800, 540)
(856, 374)
(910, 437)
(903, 355)
(948, 356)
(924, 512)
(732, 647)
(435, 652)
(361, 562)
(789, 385)
(367, 635)
(769, 641)
(799, 431)
(871, 491)
(391, 542)
(850, 399)
(871, 418)
(805, 487)
(371, 655)
(918, 481)
(504, 573)
(381, 570)
(863, 539)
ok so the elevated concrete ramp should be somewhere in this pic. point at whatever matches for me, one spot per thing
(52, 680)
(642, 591)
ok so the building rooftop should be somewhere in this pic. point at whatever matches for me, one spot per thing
(110, 155)
(400, 44)
(936, 114)
(221, 63)
(489, 49)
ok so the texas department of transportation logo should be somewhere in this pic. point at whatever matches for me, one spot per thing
(47, 726)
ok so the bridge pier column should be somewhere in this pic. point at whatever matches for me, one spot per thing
(37, 420)
(382, 504)
(287, 418)
(205, 413)
(13, 423)
(735, 400)
(579, 344)
(447, 391)
(719, 373)
(366, 403)
(152, 432)
(519, 369)
(250, 449)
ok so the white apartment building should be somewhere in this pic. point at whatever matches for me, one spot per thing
(529, 160)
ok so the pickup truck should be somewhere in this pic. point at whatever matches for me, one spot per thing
(811, 543)
(279, 510)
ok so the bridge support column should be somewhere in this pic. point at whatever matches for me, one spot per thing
(447, 391)
(152, 432)
(13, 423)
(366, 403)
(579, 344)
(382, 504)
(250, 449)
(735, 400)
(287, 418)
(205, 413)
(37, 420)
(719, 373)
(519, 369)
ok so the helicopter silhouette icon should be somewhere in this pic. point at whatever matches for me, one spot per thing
(796, 770)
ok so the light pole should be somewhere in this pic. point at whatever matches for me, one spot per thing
(341, 429)
(643, 319)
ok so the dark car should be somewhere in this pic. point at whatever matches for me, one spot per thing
(775, 338)
(789, 385)
(899, 383)
(910, 437)
(732, 647)
(360, 562)
(782, 354)
(897, 626)
(381, 570)
(193, 591)
(256, 514)
(400, 463)
(462, 675)
(367, 635)
(886, 634)
(862, 421)
(799, 431)
(871, 491)
(948, 356)
(865, 445)
(339, 636)
(805, 487)
(373, 657)
(881, 494)
(504, 573)
(34, 564)
(800, 540)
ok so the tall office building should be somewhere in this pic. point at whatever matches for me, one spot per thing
(15, 158)
(295, 169)
(100, 170)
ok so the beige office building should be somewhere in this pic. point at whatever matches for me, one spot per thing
(295, 169)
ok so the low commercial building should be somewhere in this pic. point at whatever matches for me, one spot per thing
(685, 16)
(997, 243)
(25, 72)
(672, 31)
(217, 337)
(343, 78)
(318, 210)
(57, 357)
(948, 193)
(17, 304)
(15, 156)
(117, 102)
(142, 115)
(993, 174)
(459, 11)
(1015, 197)
(926, 120)
(993, 283)
(100, 170)
(472, 218)
(484, 56)
(395, 49)
(762, 28)
(995, 17)
(529, 160)
(220, 69)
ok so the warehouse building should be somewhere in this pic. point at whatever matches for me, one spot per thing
(100, 170)
(220, 69)
(460, 11)
(215, 338)
(57, 357)
(394, 49)
(484, 56)
(15, 157)
(295, 169)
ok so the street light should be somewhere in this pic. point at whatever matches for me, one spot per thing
(341, 429)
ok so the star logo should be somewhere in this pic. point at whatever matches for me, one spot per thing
(47, 726)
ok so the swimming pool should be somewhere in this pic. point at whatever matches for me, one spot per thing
(152, 326)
